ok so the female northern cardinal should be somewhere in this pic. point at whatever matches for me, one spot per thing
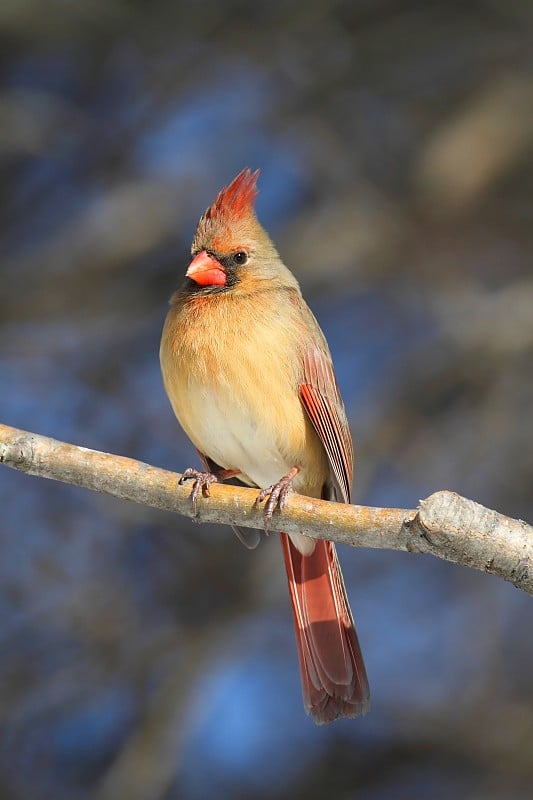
(249, 375)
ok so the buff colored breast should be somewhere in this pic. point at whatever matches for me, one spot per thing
(235, 391)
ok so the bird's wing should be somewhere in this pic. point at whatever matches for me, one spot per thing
(322, 402)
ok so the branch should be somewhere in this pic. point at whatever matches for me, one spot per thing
(445, 525)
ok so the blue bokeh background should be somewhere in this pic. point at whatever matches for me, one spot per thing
(145, 657)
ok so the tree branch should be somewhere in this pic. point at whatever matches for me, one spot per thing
(444, 525)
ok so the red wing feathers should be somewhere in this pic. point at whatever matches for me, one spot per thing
(320, 397)
(334, 681)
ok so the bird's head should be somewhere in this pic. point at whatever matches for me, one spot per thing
(230, 249)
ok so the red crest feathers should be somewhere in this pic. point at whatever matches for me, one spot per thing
(237, 199)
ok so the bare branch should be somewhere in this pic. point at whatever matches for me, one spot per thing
(445, 525)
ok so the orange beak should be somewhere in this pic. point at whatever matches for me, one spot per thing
(205, 270)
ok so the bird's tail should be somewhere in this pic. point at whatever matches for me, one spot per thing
(334, 681)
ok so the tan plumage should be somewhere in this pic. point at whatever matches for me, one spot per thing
(249, 375)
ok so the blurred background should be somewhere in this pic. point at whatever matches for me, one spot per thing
(142, 656)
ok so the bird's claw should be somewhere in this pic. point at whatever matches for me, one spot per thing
(277, 496)
(202, 482)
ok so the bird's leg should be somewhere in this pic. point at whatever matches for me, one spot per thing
(277, 495)
(203, 480)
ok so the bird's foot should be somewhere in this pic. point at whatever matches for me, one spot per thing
(202, 482)
(277, 495)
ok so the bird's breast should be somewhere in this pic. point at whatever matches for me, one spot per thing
(233, 385)
(234, 434)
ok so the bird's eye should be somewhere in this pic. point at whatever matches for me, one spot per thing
(240, 257)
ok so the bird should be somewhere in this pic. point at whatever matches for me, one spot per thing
(249, 375)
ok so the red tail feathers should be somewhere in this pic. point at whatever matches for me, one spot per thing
(334, 681)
